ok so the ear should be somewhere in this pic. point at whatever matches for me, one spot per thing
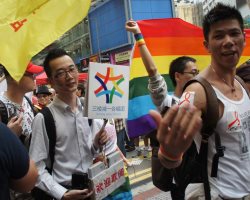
(206, 45)
(177, 76)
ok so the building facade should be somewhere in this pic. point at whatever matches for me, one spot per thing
(189, 11)
(208, 4)
(101, 36)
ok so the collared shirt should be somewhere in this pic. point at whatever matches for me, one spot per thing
(74, 151)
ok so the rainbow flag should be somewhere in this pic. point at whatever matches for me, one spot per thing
(27, 27)
(166, 39)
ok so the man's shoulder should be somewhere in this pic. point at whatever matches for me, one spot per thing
(198, 90)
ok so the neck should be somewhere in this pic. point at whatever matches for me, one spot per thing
(69, 99)
(178, 92)
(227, 77)
(15, 94)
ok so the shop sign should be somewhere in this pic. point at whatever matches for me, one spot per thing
(105, 58)
(122, 56)
(94, 58)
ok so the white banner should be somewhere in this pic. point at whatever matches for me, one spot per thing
(108, 89)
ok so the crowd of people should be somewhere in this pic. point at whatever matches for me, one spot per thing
(38, 162)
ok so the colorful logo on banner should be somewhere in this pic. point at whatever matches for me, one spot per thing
(107, 92)
(103, 89)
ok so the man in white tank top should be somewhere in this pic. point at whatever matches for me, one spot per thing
(224, 39)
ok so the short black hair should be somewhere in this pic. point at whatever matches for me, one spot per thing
(218, 13)
(52, 54)
(179, 65)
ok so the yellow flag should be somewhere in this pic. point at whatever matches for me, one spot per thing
(28, 26)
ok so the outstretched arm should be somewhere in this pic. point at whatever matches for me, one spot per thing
(177, 129)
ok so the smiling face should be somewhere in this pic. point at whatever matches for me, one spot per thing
(225, 43)
(64, 75)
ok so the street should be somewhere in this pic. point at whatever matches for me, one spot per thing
(140, 178)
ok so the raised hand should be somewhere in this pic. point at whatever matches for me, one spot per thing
(132, 27)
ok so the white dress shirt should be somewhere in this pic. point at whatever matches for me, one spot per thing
(74, 151)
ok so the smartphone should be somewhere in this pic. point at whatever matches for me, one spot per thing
(80, 181)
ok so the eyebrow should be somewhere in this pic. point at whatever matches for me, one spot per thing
(62, 68)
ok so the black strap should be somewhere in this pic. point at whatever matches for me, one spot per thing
(31, 105)
(204, 174)
(219, 153)
(210, 119)
(211, 115)
(3, 113)
(51, 132)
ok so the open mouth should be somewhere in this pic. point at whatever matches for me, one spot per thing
(229, 53)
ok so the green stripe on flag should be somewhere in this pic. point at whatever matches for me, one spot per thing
(139, 86)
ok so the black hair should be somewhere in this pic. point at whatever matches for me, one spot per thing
(218, 13)
(53, 54)
(179, 65)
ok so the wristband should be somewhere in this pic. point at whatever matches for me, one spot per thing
(139, 39)
(138, 36)
(168, 157)
(140, 42)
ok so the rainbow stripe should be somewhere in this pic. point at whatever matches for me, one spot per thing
(166, 39)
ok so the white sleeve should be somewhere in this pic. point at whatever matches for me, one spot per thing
(39, 152)
(158, 89)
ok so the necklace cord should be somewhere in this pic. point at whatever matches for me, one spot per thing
(230, 86)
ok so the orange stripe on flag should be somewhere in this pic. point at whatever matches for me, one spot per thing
(174, 46)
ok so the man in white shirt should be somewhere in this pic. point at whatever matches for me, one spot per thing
(77, 142)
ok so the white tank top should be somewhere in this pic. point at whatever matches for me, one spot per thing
(233, 177)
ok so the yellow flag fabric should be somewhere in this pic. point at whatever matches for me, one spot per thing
(28, 26)
(13, 10)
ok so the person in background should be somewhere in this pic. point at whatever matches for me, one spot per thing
(43, 97)
(19, 109)
(243, 71)
(181, 70)
(17, 171)
(81, 92)
(121, 134)
(18, 113)
(34, 99)
(53, 93)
